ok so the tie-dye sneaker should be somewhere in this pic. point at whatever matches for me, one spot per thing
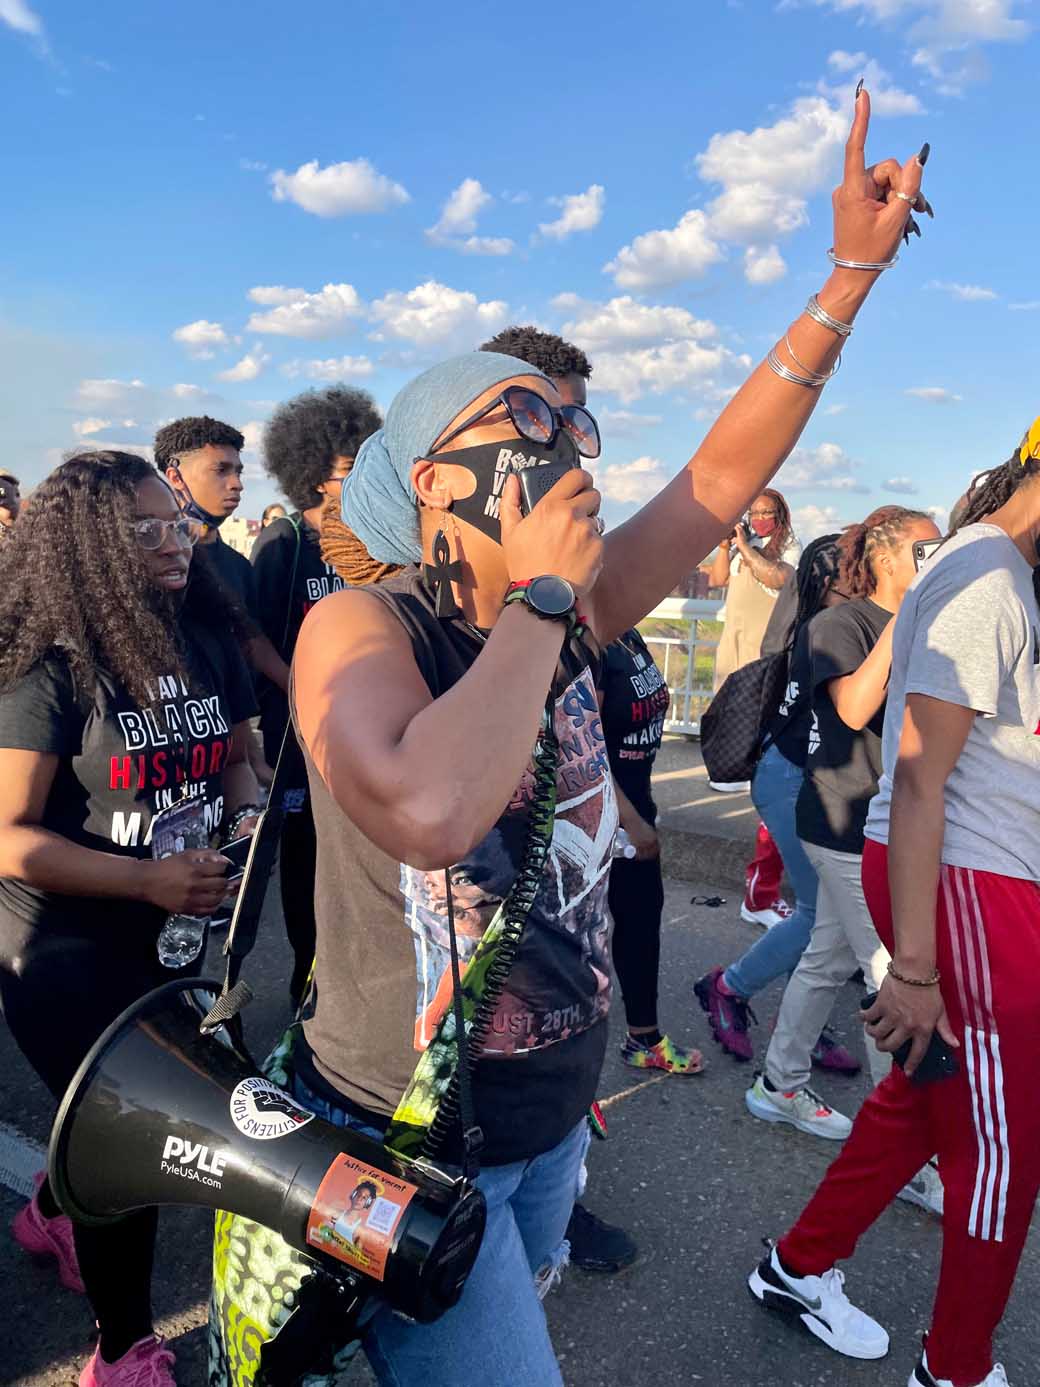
(666, 1055)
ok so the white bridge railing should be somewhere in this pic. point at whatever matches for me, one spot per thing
(691, 687)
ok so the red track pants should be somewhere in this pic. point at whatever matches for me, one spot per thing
(984, 1123)
(764, 872)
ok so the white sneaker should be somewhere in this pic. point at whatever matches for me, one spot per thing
(925, 1190)
(821, 1305)
(767, 918)
(800, 1108)
(921, 1377)
(730, 787)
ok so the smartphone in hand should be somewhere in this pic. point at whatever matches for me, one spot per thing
(937, 1062)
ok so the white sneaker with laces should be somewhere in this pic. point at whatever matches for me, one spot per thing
(730, 787)
(769, 916)
(801, 1108)
(921, 1377)
(820, 1304)
(925, 1190)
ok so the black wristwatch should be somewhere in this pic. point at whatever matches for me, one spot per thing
(549, 597)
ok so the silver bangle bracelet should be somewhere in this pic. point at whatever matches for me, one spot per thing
(785, 373)
(822, 376)
(819, 314)
(861, 264)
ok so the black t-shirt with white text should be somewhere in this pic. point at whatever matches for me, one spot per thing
(843, 766)
(120, 764)
(286, 554)
(635, 701)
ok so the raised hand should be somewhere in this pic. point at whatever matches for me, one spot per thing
(873, 206)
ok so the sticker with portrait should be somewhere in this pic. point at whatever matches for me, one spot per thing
(356, 1213)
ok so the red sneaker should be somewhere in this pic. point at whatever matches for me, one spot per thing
(48, 1237)
(148, 1364)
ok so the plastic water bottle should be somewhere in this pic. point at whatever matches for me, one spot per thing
(623, 845)
(181, 940)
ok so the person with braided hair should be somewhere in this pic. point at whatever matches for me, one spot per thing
(951, 868)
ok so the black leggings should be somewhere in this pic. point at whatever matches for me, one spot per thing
(636, 899)
(58, 993)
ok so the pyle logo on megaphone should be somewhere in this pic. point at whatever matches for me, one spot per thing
(190, 1160)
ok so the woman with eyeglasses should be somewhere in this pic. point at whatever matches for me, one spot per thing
(120, 696)
(435, 708)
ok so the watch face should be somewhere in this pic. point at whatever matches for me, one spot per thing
(550, 595)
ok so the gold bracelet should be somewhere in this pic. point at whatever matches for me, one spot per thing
(913, 982)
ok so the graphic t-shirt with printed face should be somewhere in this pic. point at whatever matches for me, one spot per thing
(119, 765)
(968, 633)
(382, 958)
(287, 554)
(635, 701)
(842, 766)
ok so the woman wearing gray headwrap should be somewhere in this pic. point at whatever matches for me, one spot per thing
(418, 702)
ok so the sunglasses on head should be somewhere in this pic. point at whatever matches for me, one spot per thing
(151, 533)
(536, 419)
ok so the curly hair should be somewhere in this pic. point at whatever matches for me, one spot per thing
(859, 544)
(188, 435)
(544, 351)
(304, 435)
(73, 576)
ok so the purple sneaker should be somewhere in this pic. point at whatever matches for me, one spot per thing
(727, 1015)
(829, 1053)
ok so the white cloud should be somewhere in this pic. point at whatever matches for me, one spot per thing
(580, 212)
(195, 394)
(296, 313)
(934, 394)
(18, 16)
(486, 245)
(764, 264)
(967, 293)
(810, 522)
(683, 365)
(85, 427)
(432, 314)
(666, 257)
(827, 467)
(885, 99)
(201, 338)
(835, 409)
(252, 165)
(459, 214)
(253, 433)
(841, 61)
(902, 486)
(941, 516)
(631, 483)
(338, 190)
(252, 365)
(624, 322)
(116, 394)
(623, 423)
(333, 368)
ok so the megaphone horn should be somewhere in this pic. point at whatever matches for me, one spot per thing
(161, 1114)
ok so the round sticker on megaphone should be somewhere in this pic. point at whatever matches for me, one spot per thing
(262, 1110)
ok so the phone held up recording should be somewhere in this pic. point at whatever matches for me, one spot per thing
(937, 1062)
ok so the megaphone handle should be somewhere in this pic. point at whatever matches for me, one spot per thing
(323, 1320)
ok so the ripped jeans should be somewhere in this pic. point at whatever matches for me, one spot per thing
(497, 1333)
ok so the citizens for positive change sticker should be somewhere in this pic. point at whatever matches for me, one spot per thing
(262, 1110)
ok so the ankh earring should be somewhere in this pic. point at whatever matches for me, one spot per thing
(440, 575)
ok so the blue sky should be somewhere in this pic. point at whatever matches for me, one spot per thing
(211, 207)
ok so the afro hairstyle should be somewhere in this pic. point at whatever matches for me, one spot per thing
(188, 435)
(544, 351)
(305, 434)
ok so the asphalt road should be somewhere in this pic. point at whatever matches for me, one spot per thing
(685, 1168)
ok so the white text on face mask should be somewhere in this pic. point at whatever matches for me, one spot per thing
(506, 462)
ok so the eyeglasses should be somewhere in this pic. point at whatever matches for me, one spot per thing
(538, 420)
(762, 514)
(151, 533)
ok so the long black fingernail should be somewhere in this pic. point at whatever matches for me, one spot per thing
(929, 209)
(906, 238)
(912, 226)
(922, 158)
(859, 88)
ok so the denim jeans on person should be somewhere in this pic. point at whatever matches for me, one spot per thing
(774, 791)
(497, 1334)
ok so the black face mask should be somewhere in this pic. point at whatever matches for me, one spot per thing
(491, 464)
(191, 508)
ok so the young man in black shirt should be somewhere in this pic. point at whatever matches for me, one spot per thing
(309, 447)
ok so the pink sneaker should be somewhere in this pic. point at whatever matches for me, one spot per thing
(728, 1015)
(148, 1364)
(48, 1237)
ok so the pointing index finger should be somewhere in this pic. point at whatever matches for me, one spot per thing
(855, 148)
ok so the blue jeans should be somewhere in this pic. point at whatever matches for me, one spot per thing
(774, 791)
(497, 1333)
